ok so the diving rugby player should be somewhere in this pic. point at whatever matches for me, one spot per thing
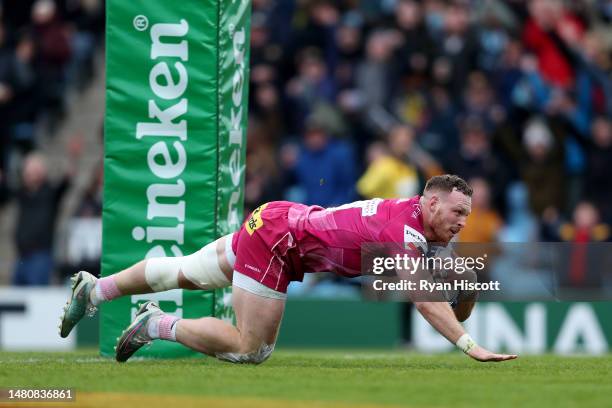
(278, 243)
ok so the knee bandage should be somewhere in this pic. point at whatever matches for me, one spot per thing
(162, 273)
(202, 268)
(255, 357)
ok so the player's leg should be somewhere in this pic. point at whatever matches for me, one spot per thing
(258, 309)
(259, 284)
(208, 268)
(257, 322)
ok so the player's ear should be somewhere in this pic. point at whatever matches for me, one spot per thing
(434, 202)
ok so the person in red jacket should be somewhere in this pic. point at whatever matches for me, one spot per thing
(548, 31)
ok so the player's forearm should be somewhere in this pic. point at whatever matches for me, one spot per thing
(442, 318)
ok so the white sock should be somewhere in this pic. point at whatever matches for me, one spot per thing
(163, 327)
(173, 330)
(167, 327)
(153, 327)
(95, 296)
(106, 289)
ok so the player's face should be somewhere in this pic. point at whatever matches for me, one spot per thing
(449, 214)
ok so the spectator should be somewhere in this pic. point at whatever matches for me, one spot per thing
(86, 22)
(593, 58)
(416, 51)
(348, 40)
(494, 20)
(38, 203)
(484, 221)
(323, 17)
(507, 75)
(458, 45)
(439, 136)
(268, 110)
(265, 56)
(480, 234)
(312, 86)
(262, 180)
(26, 102)
(581, 258)
(520, 223)
(398, 168)
(479, 101)
(598, 184)
(476, 158)
(376, 78)
(391, 175)
(542, 168)
(84, 233)
(52, 36)
(548, 26)
(322, 168)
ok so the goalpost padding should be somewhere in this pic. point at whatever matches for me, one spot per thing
(174, 145)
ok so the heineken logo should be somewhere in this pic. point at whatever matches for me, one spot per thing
(165, 131)
(236, 127)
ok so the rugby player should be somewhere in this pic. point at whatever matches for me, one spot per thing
(278, 243)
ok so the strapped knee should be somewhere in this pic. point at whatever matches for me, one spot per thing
(201, 268)
(162, 273)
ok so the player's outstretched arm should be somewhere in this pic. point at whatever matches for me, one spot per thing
(442, 318)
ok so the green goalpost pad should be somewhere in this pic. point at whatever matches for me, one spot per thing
(174, 148)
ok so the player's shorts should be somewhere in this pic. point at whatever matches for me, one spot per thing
(266, 250)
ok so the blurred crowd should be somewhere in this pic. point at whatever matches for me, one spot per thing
(47, 54)
(359, 99)
(355, 99)
(368, 98)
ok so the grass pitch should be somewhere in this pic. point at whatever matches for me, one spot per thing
(316, 379)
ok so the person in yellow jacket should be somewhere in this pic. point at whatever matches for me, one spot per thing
(392, 174)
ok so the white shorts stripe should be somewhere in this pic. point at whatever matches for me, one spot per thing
(251, 285)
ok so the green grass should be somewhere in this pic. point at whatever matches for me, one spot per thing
(367, 377)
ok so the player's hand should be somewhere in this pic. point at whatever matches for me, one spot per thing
(481, 354)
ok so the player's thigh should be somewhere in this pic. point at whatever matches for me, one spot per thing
(258, 318)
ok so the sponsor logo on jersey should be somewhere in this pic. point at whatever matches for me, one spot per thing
(255, 221)
(368, 207)
(414, 240)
